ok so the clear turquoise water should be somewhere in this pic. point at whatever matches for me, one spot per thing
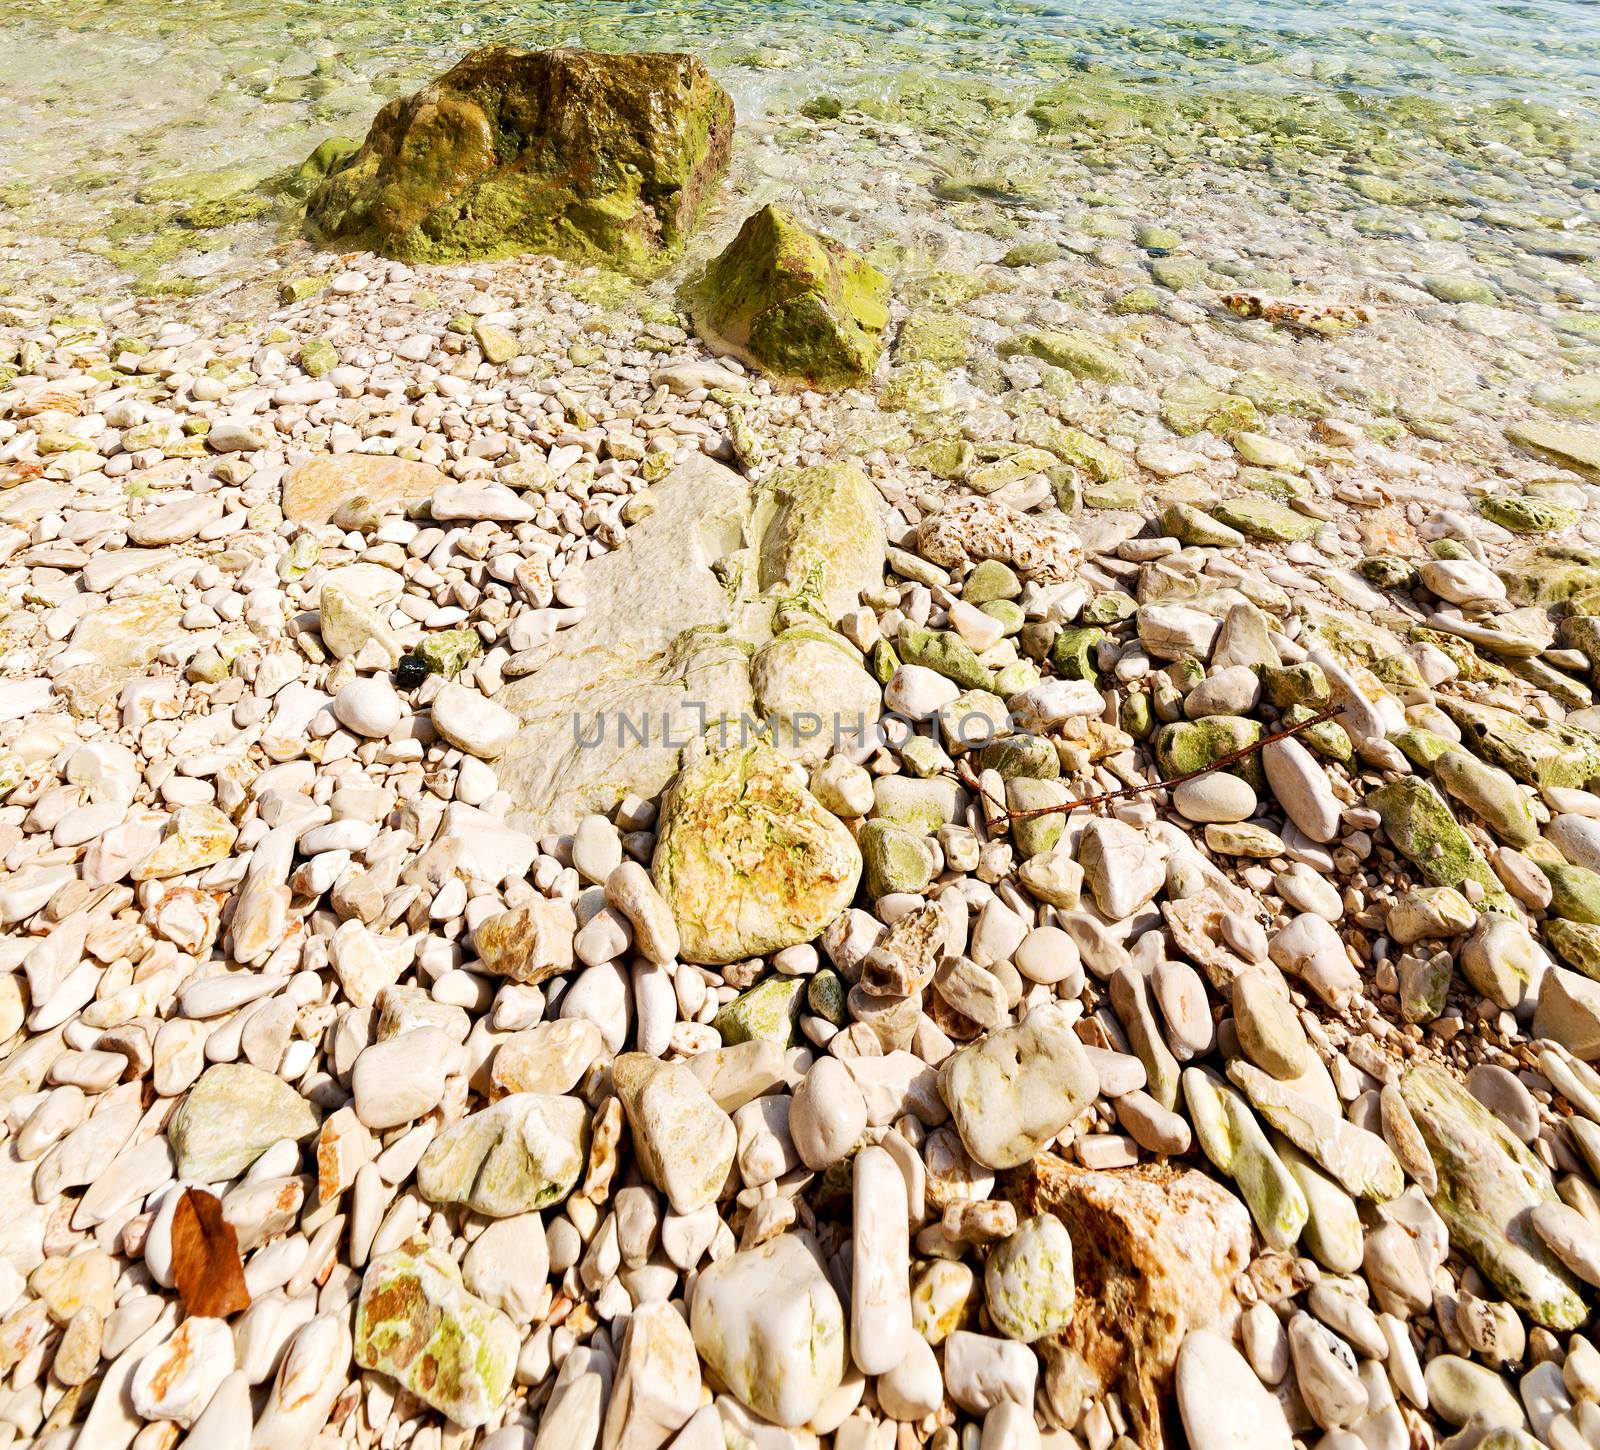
(116, 113)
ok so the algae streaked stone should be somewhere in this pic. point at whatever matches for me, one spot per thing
(1488, 793)
(821, 536)
(230, 1117)
(793, 303)
(520, 1154)
(1420, 827)
(748, 859)
(1361, 1161)
(417, 1323)
(813, 688)
(767, 1011)
(770, 1326)
(923, 806)
(590, 156)
(347, 623)
(1189, 406)
(1190, 525)
(1487, 1179)
(1536, 751)
(1550, 573)
(1027, 1280)
(1566, 444)
(1332, 1232)
(1021, 755)
(1233, 1140)
(1075, 652)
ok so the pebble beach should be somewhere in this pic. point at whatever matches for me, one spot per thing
(937, 787)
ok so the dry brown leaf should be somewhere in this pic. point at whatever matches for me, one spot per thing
(205, 1257)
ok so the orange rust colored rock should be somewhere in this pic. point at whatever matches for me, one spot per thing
(1155, 1253)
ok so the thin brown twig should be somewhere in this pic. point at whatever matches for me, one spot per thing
(1233, 757)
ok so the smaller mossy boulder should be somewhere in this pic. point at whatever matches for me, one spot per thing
(747, 858)
(596, 157)
(795, 304)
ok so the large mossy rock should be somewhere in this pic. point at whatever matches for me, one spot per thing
(1488, 1181)
(595, 157)
(795, 304)
(680, 634)
(748, 859)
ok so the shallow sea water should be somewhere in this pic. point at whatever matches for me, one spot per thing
(122, 122)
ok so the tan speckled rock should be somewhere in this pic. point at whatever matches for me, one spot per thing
(971, 529)
(315, 489)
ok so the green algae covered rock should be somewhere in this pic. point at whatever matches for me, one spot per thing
(1189, 406)
(795, 304)
(1550, 573)
(447, 651)
(230, 1117)
(748, 859)
(1083, 354)
(1190, 745)
(1524, 513)
(1574, 892)
(1577, 943)
(1538, 752)
(417, 1323)
(821, 535)
(605, 158)
(1420, 827)
(1265, 518)
(520, 1154)
(944, 652)
(896, 859)
(766, 1012)
(1487, 1178)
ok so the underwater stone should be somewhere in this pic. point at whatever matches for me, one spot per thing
(793, 303)
(584, 155)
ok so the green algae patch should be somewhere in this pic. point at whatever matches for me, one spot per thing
(573, 153)
(793, 303)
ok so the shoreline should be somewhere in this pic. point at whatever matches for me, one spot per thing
(1199, 944)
